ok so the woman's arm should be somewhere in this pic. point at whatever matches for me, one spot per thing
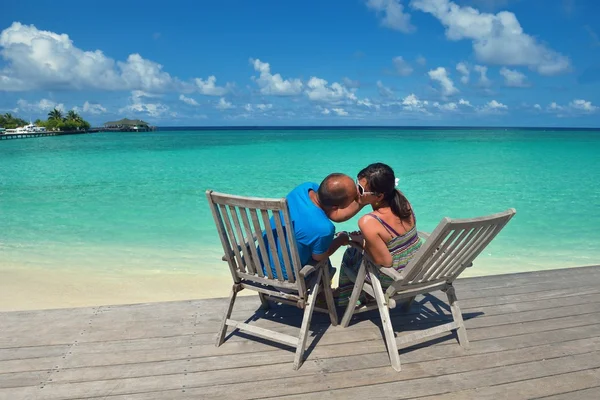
(374, 244)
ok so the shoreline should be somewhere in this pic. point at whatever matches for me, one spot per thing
(34, 288)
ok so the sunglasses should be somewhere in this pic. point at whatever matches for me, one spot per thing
(361, 190)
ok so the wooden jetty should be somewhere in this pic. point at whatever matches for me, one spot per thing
(8, 136)
(533, 335)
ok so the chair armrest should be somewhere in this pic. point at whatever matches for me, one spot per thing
(424, 235)
(391, 272)
(310, 268)
(307, 269)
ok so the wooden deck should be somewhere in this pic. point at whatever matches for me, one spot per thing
(533, 335)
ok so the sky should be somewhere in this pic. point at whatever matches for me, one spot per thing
(308, 62)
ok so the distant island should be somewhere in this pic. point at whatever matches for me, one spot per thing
(128, 125)
(57, 121)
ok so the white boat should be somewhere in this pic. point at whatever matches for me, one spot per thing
(31, 128)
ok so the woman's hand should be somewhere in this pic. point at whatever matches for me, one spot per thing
(357, 238)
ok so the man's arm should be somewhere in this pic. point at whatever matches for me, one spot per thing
(340, 240)
(344, 214)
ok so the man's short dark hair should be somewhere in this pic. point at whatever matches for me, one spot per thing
(330, 193)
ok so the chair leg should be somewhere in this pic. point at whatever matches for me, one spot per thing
(264, 301)
(358, 287)
(461, 331)
(326, 280)
(308, 311)
(406, 306)
(388, 330)
(223, 329)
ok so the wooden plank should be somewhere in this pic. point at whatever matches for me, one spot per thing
(402, 389)
(583, 394)
(440, 367)
(533, 388)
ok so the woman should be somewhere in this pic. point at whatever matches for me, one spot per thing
(388, 234)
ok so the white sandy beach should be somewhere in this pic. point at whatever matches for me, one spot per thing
(32, 288)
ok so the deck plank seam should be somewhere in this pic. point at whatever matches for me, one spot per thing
(517, 381)
(69, 351)
(567, 392)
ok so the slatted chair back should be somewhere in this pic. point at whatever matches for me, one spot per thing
(247, 227)
(451, 248)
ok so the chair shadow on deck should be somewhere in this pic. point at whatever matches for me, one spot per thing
(427, 312)
(289, 316)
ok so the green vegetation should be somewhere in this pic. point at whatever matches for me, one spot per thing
(7, 121)
(58, 122)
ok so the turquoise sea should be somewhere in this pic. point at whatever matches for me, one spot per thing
(135, 202)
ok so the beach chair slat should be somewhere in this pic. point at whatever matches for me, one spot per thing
(284, 247)
(232, 239)
(437, 256)
(460, 240)
(272, 244)
(250, 238)
(457, 259)
(291, 240)
(472, 252)
(466, 239)
(244, 242)
(261, 242)
(218, 218)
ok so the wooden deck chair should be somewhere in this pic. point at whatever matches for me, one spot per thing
(450, 248)
(242, 223)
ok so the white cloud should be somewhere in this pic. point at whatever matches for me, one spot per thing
(403, 68)
(421, 60)
(463, 69)
(497, 39)
(573, 108)
(464, 102)
(554, 106)
(583, 105)
(224, 104)
(138, 105)
(318, 90)
(384, 91)
(258, 107)
(484, 81)
(393, 14)
(440, 75)
(513, 78)
(537, 106)
(340, 112)
(492, 106)
(93, 108)
(446, 107)
(366, 102)
(188, 100)
(37, 59)
(274, 84)
(43, 105)
(412, 103)
(209, 86)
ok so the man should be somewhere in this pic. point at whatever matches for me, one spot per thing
(312, 208)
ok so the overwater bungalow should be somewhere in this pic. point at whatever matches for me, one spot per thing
(128, 125)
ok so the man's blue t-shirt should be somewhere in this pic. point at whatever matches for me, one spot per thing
(313, 229)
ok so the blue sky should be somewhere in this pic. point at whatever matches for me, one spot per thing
(310, 62)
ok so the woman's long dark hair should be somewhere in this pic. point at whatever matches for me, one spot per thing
(381, 179)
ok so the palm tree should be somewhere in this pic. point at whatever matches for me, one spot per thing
(8, 116)
(73, 116)
(55, 114)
